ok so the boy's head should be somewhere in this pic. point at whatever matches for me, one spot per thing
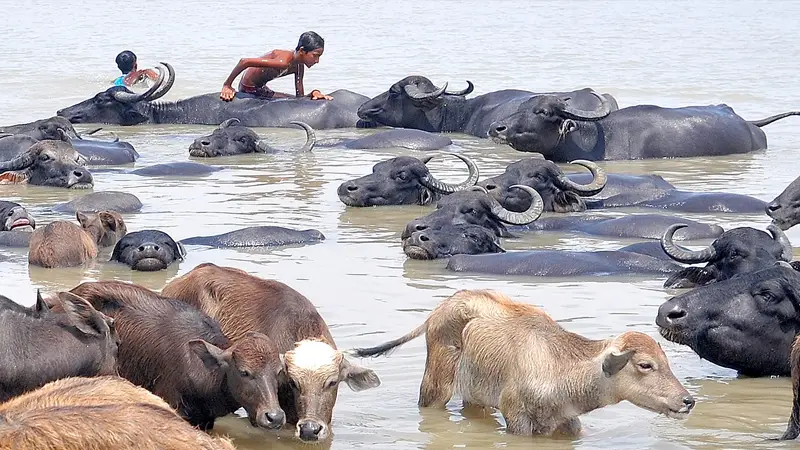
(310, 48)
(126, 61)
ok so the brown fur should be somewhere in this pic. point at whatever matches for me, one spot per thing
(793, 427)
(65, 244)
(499, 353)
(97, 414)
(242, 302)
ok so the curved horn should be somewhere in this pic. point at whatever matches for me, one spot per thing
(311, 137)
(514, 218)
(479, 189)
(87, 133)
(430, 182)
(2, 135)
(467, 91)
(164, 87)
(682, 254)
(116, 138)
(414, 92)
(229, 122)
(787, 253)
(20, 162)
(130, 97)
(599, 180)
(579, 114)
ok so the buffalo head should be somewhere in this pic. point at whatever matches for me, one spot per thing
(542, 123)
(148, 250)
(559, 193)
(785, 208)
(451, 240)
(746, 323)
(476, 207)
(736, 251)
(410, 103)
(50, 163)
(232, 138)
(118, 105)
(403, 180)
(52, 128)
(13, 216)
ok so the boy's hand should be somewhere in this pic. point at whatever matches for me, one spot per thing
(227, 93)
(317, 95)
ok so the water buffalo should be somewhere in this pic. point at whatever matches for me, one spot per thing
(415, 102)
(65, 244)
(48, 345)
(148, 250)
(785, 208)
(261, 236)
(180, 354)
(313, 367)
(233, 138)
(449, 240)
(558, 263)
(396, 138)
(176, 169)
(98, 412)
(404, 180)
(118, 105)
(746, 323)
(52, 128)
(498, 353)
(476, 207)
(736, 251)
(558, 192)
(793, 427)
(13, 216)
(562, 132)
(121, 202)
(48, 163)
(648, 226)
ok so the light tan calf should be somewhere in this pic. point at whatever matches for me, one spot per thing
(65, 244)
(498, 353)
(101, 413)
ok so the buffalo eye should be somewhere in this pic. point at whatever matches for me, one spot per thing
(330, 384)
(767, 296)
(245, 373)
(402, 176)
(645, 367)
(44, 157)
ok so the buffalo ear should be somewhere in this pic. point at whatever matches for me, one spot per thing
(181, 250)
(614, 362)
(689, 277)
(83, 219)
(41, 307)
(80, 313)
(212, 356)
(426, 159)
(358, 378)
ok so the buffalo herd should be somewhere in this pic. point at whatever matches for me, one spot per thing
(217, 339)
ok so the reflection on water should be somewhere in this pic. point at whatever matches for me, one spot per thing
(366, 289)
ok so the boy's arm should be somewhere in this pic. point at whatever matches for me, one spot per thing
(227, 88)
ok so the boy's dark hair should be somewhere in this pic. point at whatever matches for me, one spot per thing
(310, 41)
(125, 61)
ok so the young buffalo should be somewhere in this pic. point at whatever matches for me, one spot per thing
(181, 355)
(43, 345)
(313, 367)
(512, 356)
(97, 413)
(65, 244)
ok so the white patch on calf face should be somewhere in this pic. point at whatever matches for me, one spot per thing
(311, 355)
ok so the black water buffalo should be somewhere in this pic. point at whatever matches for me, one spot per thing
(476, 207)
(121, 202)
(746, 323)
(561, 132)
(736, 251)
(118, 105)
(648, 226)
(233, 138)
(404, 180)
(52, 128)
(48, 163)
(559, 193)
(176, 169)
(415, 102)
(785, 208)
(42, 345)
(261, 236)
(451, 240)
(14, 216)
(148, 250)
(395, 138)
(557, 263)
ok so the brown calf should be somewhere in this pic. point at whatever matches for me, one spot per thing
(313, 367)
(180, 354)
(793, 427)
(97, 413)
(512, 356)
(65, 244)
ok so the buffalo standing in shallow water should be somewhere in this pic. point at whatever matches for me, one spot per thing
(48, 163)
(415, 102)
(561, 132)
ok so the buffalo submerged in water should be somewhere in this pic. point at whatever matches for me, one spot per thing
(118, 105)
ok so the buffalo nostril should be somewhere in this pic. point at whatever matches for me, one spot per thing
(205, 142)
(275, 416)
(424, 238)
(77, 173)
(500, 128)
(688, 401)
(774, 206)
(141, 248)
(352, 188)
(156, 248)
(676, 314)
(421, 227)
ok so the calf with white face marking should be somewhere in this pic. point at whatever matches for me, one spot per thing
(512, 356)
(312, 366)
